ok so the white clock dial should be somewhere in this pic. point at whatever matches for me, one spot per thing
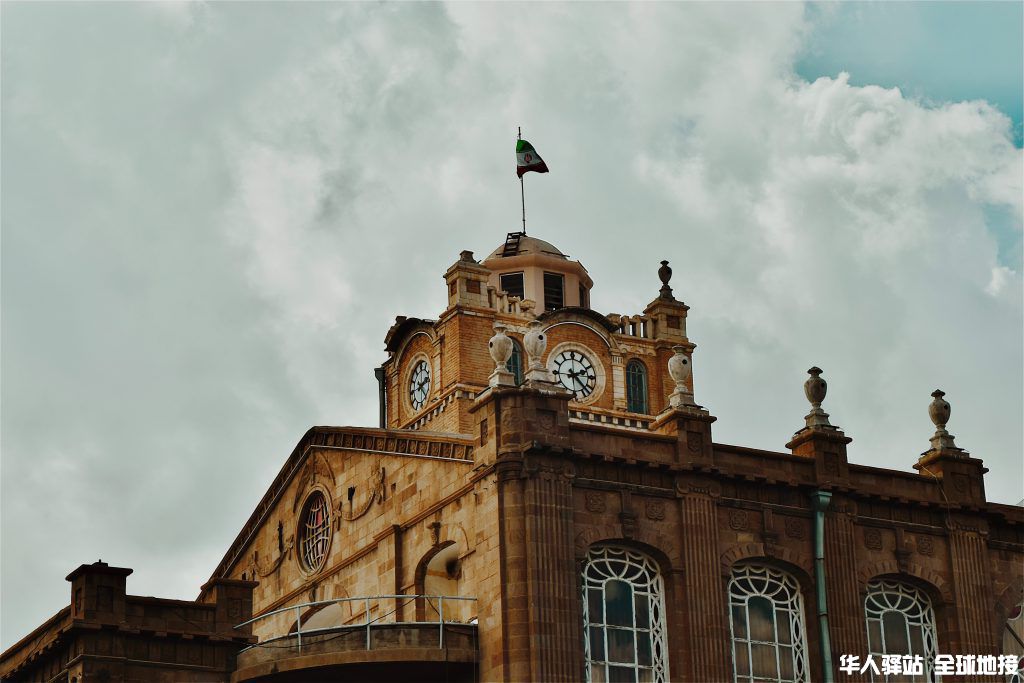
(574, 371)
(419, 385)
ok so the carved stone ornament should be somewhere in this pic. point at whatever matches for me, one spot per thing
(679, 370)
(925, 545)
(500, 347)
(738, 520)
(655, 510)
(815, 389)
(435, 533)
(872, 539)
(695, 441)
(794, 528)
(595, 501)
(628, 522)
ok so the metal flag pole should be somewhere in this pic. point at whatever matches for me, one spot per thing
(522, 188)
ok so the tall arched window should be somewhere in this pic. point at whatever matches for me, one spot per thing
(623, 617)
(515, 362)
(900, 622)
(767, 625)
(636, 387)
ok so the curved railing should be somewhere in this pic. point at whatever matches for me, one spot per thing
(368, 623)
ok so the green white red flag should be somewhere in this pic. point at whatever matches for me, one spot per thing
(527, 159)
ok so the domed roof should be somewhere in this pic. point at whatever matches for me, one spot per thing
(516, 245)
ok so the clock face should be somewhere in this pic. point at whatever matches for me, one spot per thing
(419, 385)
(574, 371)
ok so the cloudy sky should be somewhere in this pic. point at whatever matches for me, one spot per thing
(212, 213)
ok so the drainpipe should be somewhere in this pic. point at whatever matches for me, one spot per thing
(382, 396)
(821, 500)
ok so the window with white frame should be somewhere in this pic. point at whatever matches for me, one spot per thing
(767, 626)
(900, 621)
(623, 617)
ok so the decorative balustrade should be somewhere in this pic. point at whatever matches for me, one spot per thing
(642, 326)
(449, 609)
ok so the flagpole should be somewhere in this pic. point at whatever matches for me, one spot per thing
(522, 188)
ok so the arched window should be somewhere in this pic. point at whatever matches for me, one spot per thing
(315, 531)
(636, 387)
(900, 622)
(767, 625)
(515, 362)
(623, 617)
(1013, 641)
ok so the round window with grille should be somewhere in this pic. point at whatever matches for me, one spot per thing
(315, 531)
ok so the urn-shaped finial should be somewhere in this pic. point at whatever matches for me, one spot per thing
(939, 410)
(665, 274)
(679, 366)
(815, 389)
(535, 342)
(500, 348)
(680, 369)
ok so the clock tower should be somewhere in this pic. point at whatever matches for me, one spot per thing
(614, 366)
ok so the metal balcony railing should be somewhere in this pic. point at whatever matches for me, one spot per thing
(368, 623)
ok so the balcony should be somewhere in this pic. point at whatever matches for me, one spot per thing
(364, 638)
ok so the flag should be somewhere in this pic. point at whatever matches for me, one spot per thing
(527, 159)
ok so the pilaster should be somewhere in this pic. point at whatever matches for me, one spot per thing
(846, 607)
(705, 598)
(972, 587)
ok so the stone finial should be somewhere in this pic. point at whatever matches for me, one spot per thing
(679, 369)
(535, 341)
(815, 389)
(665, 274)
(500, 347)
(466, 256)
(939, 411)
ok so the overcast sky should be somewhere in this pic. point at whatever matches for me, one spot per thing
(212, 213)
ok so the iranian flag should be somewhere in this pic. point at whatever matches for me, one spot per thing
(527, 159)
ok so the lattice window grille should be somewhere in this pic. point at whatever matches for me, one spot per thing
(900, 621)
(316, 531)
(623, 617)
(767, 626)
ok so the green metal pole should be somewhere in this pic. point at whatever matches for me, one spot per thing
(821, 500)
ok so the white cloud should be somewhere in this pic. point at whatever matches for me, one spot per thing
(302, 175)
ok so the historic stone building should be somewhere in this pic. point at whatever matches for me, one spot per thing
(544, 501)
